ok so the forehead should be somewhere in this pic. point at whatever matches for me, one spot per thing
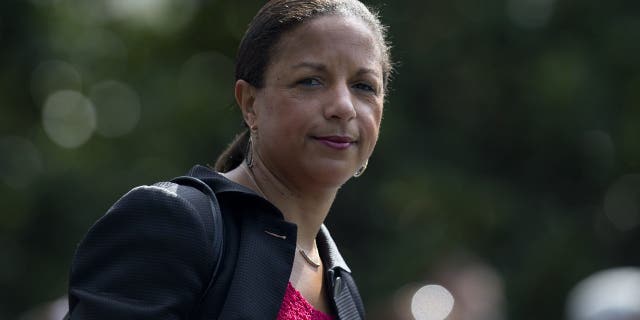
(332, 38)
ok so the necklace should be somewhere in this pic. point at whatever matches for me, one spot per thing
(308, 259)
(302, 252)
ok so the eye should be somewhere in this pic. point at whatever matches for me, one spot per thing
(309, 82)
(364, 87)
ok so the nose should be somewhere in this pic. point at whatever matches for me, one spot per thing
(340, 104)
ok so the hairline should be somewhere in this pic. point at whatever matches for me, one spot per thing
(379, 42)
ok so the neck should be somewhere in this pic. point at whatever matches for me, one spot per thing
(307, 208)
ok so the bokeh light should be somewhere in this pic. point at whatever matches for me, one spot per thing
(612, 294)
(431, 302)
(68, 118)
(479, 291)
(164, 16)
(117, 108)
(54, 310)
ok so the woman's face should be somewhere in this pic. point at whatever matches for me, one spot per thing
(318, 114)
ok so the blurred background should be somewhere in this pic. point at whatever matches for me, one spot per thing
(507, 171)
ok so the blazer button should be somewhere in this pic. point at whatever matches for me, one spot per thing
(337, 286)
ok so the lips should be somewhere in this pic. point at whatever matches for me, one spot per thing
(336, 142)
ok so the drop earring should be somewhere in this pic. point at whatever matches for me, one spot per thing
(361, 170)
(248, 157)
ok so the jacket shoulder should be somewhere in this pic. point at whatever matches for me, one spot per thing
(145, 258)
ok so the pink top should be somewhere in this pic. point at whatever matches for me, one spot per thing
(296, 307)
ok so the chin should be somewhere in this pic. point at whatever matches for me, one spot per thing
(330, 176)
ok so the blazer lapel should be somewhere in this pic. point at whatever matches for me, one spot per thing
(266, 251)
(342, 289)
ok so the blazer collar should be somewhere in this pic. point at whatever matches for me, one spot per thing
(326, 245)
(267, 260)
(218, 182)
(329, 251)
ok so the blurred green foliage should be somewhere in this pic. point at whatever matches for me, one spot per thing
(506, 127)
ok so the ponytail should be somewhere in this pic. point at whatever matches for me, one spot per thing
(234, 154)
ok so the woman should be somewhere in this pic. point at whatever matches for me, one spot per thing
(310, 81)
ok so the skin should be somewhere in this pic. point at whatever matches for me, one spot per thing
(314, 123)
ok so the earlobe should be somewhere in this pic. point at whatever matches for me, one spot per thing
(245, 98)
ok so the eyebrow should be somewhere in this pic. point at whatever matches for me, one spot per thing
(310, 65)
(322, 67)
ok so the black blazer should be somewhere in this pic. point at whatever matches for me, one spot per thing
(149, 257)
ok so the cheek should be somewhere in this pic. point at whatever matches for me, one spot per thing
(372, 125)
(283, 121)
(376, 117)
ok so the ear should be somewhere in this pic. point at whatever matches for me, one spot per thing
(246, 97)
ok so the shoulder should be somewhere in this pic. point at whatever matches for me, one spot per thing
(151, 217)
(141, 199)
(158, 208)
(151, 247)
